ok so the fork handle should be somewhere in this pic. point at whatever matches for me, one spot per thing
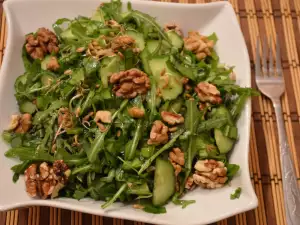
(291, 190)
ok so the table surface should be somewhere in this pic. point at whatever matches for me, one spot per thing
(257, 18)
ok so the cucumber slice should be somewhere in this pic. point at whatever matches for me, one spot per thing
(175, 39)
(68, 35)
(47, 79)
(224, 143)
(164, 182)
(171, 87)
(152, 45)
(45, 62)
(138, 37)
(98, 15)
(145, 60)
(27, 107)
(221, 112)
(230, 131)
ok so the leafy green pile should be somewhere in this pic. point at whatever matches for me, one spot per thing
(116, 164)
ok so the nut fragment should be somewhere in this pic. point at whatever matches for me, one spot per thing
(176, 156)
(14, 121)
(198, 44)
(30, 180)
(61, 171)
(97, 52)
(158, 134)
(44, 170)
(20, 123)
(103, 116)
(208, 93)
(189, 183)
(130, 83)
(53, 64)
(173, 26)
(210, 173)
(136, 112)
(43, 43)
(112, 23)
(122, 42)
(171, 118)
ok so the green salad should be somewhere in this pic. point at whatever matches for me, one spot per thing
(115, 107)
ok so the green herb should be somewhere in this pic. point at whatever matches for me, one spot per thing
(236, 194)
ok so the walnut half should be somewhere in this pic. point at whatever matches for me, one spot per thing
(158, 134)
(42, 43)
(130, 83)
(208, 93)
(198, 44)
(47, 180)
(20, 123)
(210, 173)
(171, 118)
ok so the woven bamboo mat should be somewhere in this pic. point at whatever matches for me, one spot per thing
(257, 18)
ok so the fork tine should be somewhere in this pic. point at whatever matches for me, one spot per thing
(257, 58)
(271, 64)
(278, 57)
(264, 57)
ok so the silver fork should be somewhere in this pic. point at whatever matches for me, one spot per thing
(270, 82)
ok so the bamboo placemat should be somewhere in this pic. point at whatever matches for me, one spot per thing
(257, 18)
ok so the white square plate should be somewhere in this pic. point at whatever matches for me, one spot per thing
(211, 205)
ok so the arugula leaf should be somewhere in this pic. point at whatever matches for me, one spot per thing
(232, 170)
(236, 194)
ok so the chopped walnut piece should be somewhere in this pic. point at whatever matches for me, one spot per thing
(68, 72)
(30, 180)
(232, 76)
(80, 49)
(61, 171)
(44, 170)
(53, 64)
(210, 173)
(158, 134)
(198, 44)
(14, 121)
(122, 42)
(176, 156)
(171, 118)
(189, 183)
(24, 123)
(138, 206)
(44, 42)
(112, 23)
(173, 129)
(103, 116)
(136, 112)
(208, 93)
(97, 52)
(173, 26)
(130, 83)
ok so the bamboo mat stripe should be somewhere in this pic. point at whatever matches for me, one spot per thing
(258, 18)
